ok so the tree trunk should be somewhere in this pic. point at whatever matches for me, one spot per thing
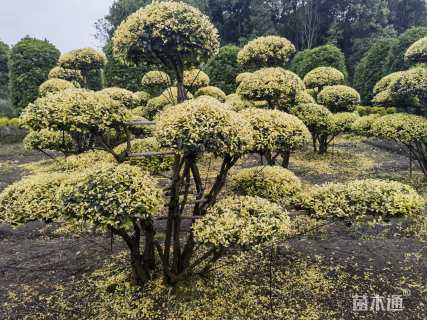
(286, 156)
(323, 144)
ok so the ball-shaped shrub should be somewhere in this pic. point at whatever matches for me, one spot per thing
(386, 82)
(166, 30)
(417, 52)
(242, 221)
(277, 86)
(317, 118)
(55, 86)
(412, 83)
(339, 98)
(155, 82)
(236, 103)
(85, 60)
(365, 197)
(211, 91)
(363, 125)
(155, 105)
(276, 184)
(171, 94)
(153, 165)
(141, 98)
(204, 124)
(66, 74)
(112, 196)
(383, 98)
(276, 131)
(343, 121)
(195, 79)
(242, 76)
(269, 51)
(322, 77)
(48, 140)
(31, 199)
(304, 97)
(125, 97)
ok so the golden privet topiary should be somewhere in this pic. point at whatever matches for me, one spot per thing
(46, 139)
(276, 133)
(417, 52)
(84, 60)
(269, 51)
(125, 97)
(276, 184)
(236, 103)
(211, 91)
(55, 86)
(323, 76)
(277, 86)
(242, 221)
(195, 79)
(66, 74)
(155, 82)
(242, 76)
(339, 98)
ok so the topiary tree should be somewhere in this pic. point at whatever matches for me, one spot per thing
(276, 134)
(55, 86)
(212, 92)
(236, 103)
(339, 98)
(266, 52)
(195, 79)
(277, 86)
(172, 34)
(407, 130)
(363, 125)
(223, 68)
(30, 62)
(417, 53)
(66, 74)
(321, 77)
(242, 76)
(155, 82)
(127, 98)
(46, 139)
(323, 56)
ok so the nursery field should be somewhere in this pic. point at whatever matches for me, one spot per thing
(72, 271)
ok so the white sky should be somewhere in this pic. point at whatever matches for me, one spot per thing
(68, 24)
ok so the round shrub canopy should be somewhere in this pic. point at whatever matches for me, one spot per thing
(85, 60)
(195, 79)
(365, 197)
(211, 91)
(276, 131)
(46, 139)
(155, 105)
(55, 86)
(274, 183)
(269, 51)
(277, 86)
(236, 103)
(304, 97)
(322, 77)
(417, 52)
(243, 76)
(386, 82)
(316, 117)
(242, 221)
(141, 98)
(339, 98)
(363, 125)
(343, 121)
(154, 82)
(31, 199)
(125, 97)
(411, 83)
(112, 196)
(66, 74)
(204, 125)
(166, 29)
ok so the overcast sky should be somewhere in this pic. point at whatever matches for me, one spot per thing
(68, 24)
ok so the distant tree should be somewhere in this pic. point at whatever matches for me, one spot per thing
(4, 70)
(30, 62)
(405, 14)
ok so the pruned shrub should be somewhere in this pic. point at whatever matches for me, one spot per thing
(363, 125)
(276, 184)
(339, 98)
(155, 105)
(66, 74)
(237, 104)
(155, 82)
(243, 76)
(85, 60)
(195, 79)
(125, 97)
(214, 92)
(417, 52)
(323, 76)
(46, 139)
(372, 197)
(55, 86)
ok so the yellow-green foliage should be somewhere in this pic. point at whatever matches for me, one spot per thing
(85, 59)
(31, 199)
(386, 82)
(125, 97)
(277, 86)
(304, 97)
(195, 79)
(46, 139)
(417, 52)
(323, 76)
(153, 165)
(241, 221)
(141, 98)
(401, 127)
(339, 98)
(87, 160)
(242, 76)
(276, 184)
(154, 106)
(154, 82)
(75, 109)
(66, 74)
(55, 86)
(364, 197)
(212, 92)
(365, 111)
(343, 121)
(363, 125)
(317, 118)
(112, 196)
(204, 124)
(171, 94)
(10, 122)
(412, 83)
(269, 51)
(276, 131)
(236, 103)
(383, 98)
(167, 28)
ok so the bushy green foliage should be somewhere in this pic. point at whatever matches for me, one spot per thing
(66, 74)
(142, 97)
(266, 52)
(366, 110)
(385, 83)
(9, 122)
(154, 106)
(339, 98)
(277, 86)
(276, 184)
(323, 56)
(46, 139)
(30, 62)
(417, 52)
(55, 86)
(242, 221)
(125, 97)
(242, 76)
(363, 125)
(365, 197)
(85, 60)
(236, 103)
(4, 71)
(212, 92)
(112, 196)
(155, 82)
(223, 68)
(321, 77)
(204, 125)
(154, 165)
(195, 79)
